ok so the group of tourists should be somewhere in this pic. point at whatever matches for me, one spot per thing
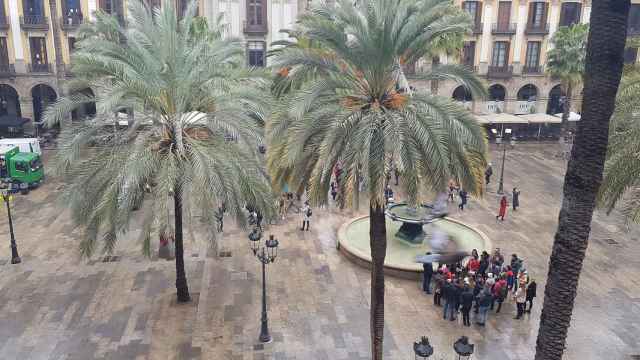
(483, 284)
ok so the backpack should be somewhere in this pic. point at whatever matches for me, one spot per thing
(504, 291)
(309, 213)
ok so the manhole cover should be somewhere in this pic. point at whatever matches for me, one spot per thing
(611, 241)
(111, 258)
(224, 254)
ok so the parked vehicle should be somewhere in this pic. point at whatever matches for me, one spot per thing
(21, 168)
(26, 145)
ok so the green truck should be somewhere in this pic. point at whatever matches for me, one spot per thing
(23, 169)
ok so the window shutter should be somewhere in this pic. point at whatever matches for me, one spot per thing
(506, 53)
(532, 12)
(578, 13)
(478, 18)
(545, 14)
(264, 14)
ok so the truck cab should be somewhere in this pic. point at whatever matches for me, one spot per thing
(22, 168)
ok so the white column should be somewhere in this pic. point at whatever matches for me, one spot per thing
(486, 34)
(92, 7)
(16, 34)
(519, 39)
(586, 15)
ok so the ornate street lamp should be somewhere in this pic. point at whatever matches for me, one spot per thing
(499, 140)
(266, 254)
(422, 348)
(15, 258)
(463, 348)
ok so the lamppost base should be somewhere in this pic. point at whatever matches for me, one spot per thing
(265, 338)
(16, 260)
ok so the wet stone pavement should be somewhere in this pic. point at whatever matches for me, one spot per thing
(57, 306)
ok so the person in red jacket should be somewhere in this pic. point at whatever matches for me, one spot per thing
(500, 291)
(503, 208)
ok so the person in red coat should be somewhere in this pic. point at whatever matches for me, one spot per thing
(503, 208)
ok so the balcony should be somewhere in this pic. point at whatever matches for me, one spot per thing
(465, 104)
(503, 29)
(533, 70)
(493, 107)
(255, 29)
(500, 72)
(4, 22)
(542, 29)
(7, 71)
(525, 107)
(477, 28)
(71, 22)
(633, 30)
(34, 22)
(40, 68)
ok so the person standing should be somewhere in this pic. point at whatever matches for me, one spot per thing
(426, 277)
(487, 174)
(388, 194)
(466, 301)
(503, 208)
(484, 303)
(531, 294)
(515, 201)
(445, 293)
(438, 280)
(463, 199)
(219, 214)
(334, 191)
(521, 298)
(306, 216)
(500, 292)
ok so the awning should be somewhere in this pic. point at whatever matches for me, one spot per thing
(572, 116)
(13, 121)
(502, 118)
(541, 119)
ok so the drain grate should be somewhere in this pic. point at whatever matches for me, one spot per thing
(224, 254)
(110, 258)
(611, 241)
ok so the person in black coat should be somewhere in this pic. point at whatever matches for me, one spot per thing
(445, 293)
(454, 298)
(531, 293)
(426, 278)
(515, 201)
(463, 199)
(466, 302)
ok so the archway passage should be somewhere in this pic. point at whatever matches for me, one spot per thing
(86, 110)
(554, 104)
(9, 101)
(43, 96)
(497, 92)
(528, 93)
(461, 93)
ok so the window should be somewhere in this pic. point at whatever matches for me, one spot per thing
(537, 15)
(4, 53)
(500, 54)
(469, 53)
(504, 14)
(533, 54)
(33, 8)
(36, 164)
(21, 166)
(254, 13)
(630, 55)
(72, 44)
(633, 23)
(38, 50)
(474, 9)
(570, 13)
(256, 53)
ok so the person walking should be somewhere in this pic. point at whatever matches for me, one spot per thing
(466, 302)
(334, 190)
(531, 294)
(306, 216)
(503, 208)
(487, 174)
(426, 277)
(219, 215)
(484, 303)
(282, 209)
(521, 298)
(388, 194)
(463, 199)
(515, 200)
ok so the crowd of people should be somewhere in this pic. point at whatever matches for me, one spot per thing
(483, 283)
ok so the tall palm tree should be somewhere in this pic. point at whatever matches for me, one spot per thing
(350, 111)
(566, 62)
(192, 141)
(603, 70)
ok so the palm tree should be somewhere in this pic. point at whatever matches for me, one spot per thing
(566, 62)
(347, 109)
(192, 141)
(603, 70)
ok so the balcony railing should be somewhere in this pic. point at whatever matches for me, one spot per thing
(40, 68)
(525, 107)
(4, 22)
(466, 104)
(34, 22)
(533, 70)
(71, 22)
(503, 29)
(500, 72)
(7, 70)
(494, 107)
(255, 29)
(542, 29)
(633, 31)
(477, 28)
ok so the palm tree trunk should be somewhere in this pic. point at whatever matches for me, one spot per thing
(566, 111)
(604, 62)
(181, 277)
(378, 243)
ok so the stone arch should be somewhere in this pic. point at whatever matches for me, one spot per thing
(528, 92)
(461, 93)
(554, 103)
(497, 92)
(42, 96)
(9, 101)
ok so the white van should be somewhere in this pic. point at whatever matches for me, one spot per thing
(24, 144)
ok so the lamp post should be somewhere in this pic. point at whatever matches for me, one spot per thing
(463, 348)
(266, 254)
(422, 348)
(15, 258)
(499, 140)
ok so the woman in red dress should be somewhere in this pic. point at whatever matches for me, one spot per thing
(503, 208)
